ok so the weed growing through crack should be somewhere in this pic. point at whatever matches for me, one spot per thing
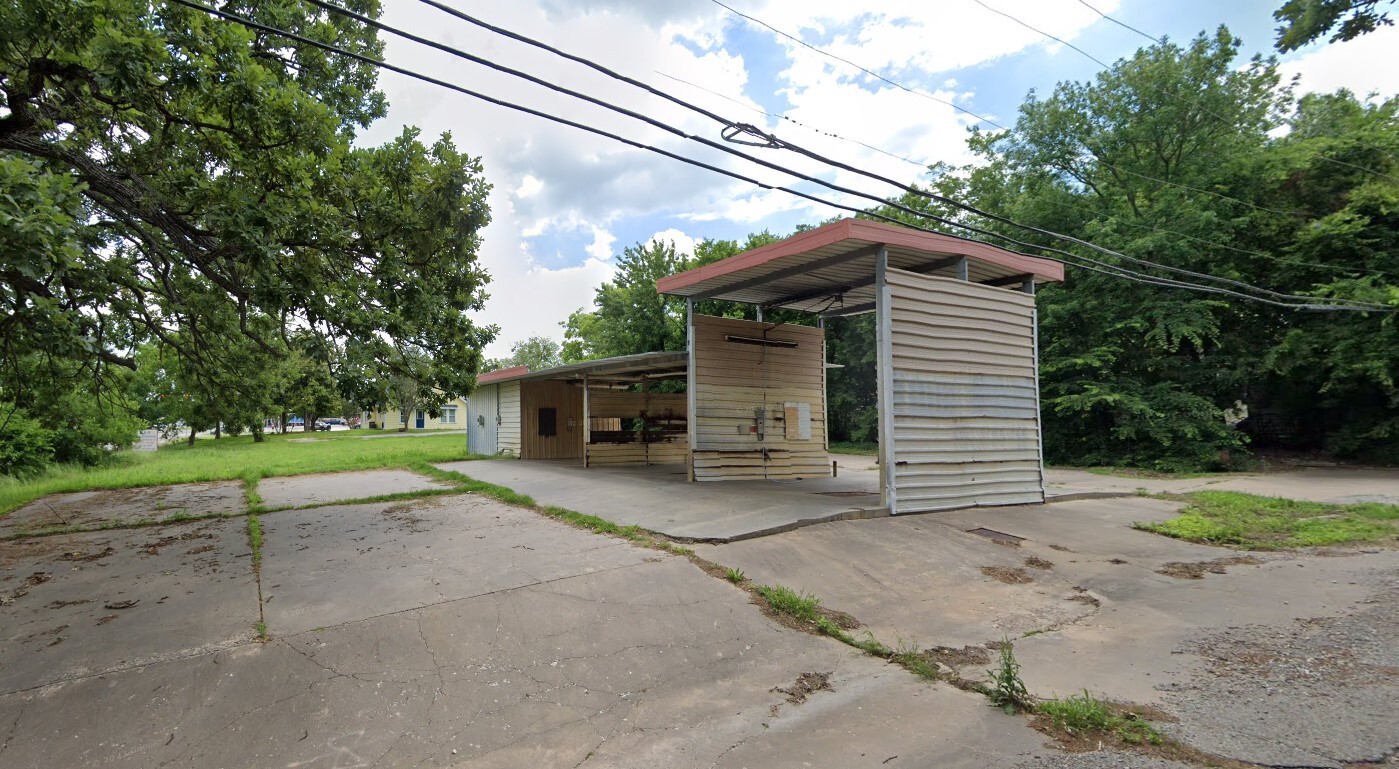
(1085, 714)
(734, 575)
(798, 605)
(1007, 690)
(255, 540)
(262, 634)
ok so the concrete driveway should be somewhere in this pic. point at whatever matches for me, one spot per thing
(447, 631)
(457, 631)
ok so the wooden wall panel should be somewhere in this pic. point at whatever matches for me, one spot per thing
(567, 400)
(622, 407)
(733, 380)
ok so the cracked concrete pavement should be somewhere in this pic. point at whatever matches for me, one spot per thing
(459, 631)
(1289, 661)
(446, 631)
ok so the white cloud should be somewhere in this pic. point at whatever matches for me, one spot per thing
(1363, 65)
(684, 243)
(552, 180)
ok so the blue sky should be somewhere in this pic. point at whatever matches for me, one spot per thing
(565, 204)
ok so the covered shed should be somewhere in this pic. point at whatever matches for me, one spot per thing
(958, 389)
(608, 411)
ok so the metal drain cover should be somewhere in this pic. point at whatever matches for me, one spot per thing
(998, 536)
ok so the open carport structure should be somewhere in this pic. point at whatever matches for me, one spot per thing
(600, 412)
(958, 389)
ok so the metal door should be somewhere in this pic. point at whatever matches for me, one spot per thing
(482, 417)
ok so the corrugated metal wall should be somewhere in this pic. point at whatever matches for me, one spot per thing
(965, 397)
(481, 413)
(734, 380)
(508, 431)
(567, 402)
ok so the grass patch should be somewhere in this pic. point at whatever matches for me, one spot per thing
(1270, 523)
(850, 447)
(801, 606)
(237, 458)
(1087, 717)
(733, 575)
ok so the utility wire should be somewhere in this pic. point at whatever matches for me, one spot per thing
(1100, 267)
(1158, 89)
(1007, 130)
(769, 140)
(794, 121)
(1154, 40)
(869, 72)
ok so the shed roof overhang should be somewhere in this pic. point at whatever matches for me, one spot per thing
(831, 269)
(624, 369)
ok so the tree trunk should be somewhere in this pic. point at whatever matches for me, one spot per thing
(283, 427)
(218, 430)
(308, 424)
(191, 436)
(257, 434)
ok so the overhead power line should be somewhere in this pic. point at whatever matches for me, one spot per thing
(1119, 23)
(1094, 265)
(735, 129)
(1168, 92)
(865, 70)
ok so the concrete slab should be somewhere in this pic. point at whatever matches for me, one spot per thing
(92, 508)
(910, 579)
(301, 490)
(660, 499)
(1338, 485)
(405, 555)
(80, 605)
(648, 662)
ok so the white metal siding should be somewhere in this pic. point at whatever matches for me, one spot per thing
(508, 429)
(480, 419)
(966, 427)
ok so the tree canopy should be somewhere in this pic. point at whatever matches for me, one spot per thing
(1305, 21)
(178, 179)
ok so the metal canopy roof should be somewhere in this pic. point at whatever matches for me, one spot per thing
(830, 269)
(624, 368)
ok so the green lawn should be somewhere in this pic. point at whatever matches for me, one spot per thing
(234, 458)
(847, 447)
(1269, 523)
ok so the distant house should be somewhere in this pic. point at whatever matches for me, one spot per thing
(451, 416)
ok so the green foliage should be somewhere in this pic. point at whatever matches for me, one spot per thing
(25, 446)
(1272, 523)
(537, 352)
(1085, 714)
(734, 575)
(796, 604)
(1304, 21)
(170, 178)
(1007, 691)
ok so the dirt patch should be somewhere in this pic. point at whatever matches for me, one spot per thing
(1035, 562)
(1198, 569)
(200, 549)
(106, 619)
(806, 685)
(1008, 575)
(1060, 548)
(82, 556)
(957, 658)
(1118, 562)
(62, 604)
(402, 515)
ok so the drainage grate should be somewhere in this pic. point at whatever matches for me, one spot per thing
(998, 536)
(848, 493)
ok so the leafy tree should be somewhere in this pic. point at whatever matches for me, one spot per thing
(172, 177)
(631, 317)
(537, 352)
(1303, 21)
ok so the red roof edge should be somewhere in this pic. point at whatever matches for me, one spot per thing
(499, 374)
(863, 229)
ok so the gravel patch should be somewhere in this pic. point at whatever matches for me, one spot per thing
(1105, 759)
(1320, 692)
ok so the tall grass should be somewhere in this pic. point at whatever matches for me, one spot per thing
(236, 459)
